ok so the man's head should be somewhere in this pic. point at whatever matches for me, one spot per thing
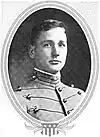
(49, 46)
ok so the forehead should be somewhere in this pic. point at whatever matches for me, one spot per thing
(54, 34)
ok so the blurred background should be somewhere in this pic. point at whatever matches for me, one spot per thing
(78, 64)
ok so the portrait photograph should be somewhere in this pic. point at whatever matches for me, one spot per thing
(49, 65)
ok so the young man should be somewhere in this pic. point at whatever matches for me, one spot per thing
(45, 97)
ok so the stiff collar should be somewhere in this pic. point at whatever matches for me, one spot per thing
(47, 77)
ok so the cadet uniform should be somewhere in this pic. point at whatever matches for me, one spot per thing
(46, 98)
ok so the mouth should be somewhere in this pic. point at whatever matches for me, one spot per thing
(54, 62)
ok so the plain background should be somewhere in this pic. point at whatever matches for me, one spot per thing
(11, 123)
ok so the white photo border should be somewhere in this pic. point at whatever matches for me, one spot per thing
(92, 46)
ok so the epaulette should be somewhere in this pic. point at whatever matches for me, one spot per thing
(18, 89)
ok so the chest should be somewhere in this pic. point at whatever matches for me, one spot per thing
(47, 104)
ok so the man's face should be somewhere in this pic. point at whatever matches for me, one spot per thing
(51, 50)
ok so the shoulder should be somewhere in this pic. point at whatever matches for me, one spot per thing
(72, 90)
(25, 89)
(72, 94)
(27, 86)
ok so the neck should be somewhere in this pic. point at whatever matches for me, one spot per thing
(42, 71)
(46, 76)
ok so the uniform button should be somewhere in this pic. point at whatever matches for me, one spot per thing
(69, 111)
(79, 92)
(65, 100)
(27, 96)
(72, 85)
(59, 89)
(35, 108)
(34, 77)
(18, 88)
(31, 110)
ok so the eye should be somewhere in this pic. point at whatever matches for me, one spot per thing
(47, 45)
(62, 45)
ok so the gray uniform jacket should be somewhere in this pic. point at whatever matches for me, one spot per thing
(46, 98)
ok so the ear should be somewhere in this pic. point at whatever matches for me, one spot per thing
(31, 51)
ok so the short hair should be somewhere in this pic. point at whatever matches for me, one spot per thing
(45, 26)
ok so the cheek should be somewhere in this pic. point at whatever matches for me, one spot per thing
(64, 54)
(45, 52)
(42, 55)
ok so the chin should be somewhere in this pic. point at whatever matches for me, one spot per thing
(53, 70)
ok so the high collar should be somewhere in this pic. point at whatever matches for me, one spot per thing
(47, 77)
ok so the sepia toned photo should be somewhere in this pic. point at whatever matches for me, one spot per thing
(49, 64)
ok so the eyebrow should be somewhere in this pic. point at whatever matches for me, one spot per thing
(46, 41)
(61, 41)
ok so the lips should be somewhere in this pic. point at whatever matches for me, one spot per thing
(54, 61)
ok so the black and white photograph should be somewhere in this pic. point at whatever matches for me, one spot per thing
(49, 64)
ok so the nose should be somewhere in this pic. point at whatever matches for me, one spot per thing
(55, 51)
